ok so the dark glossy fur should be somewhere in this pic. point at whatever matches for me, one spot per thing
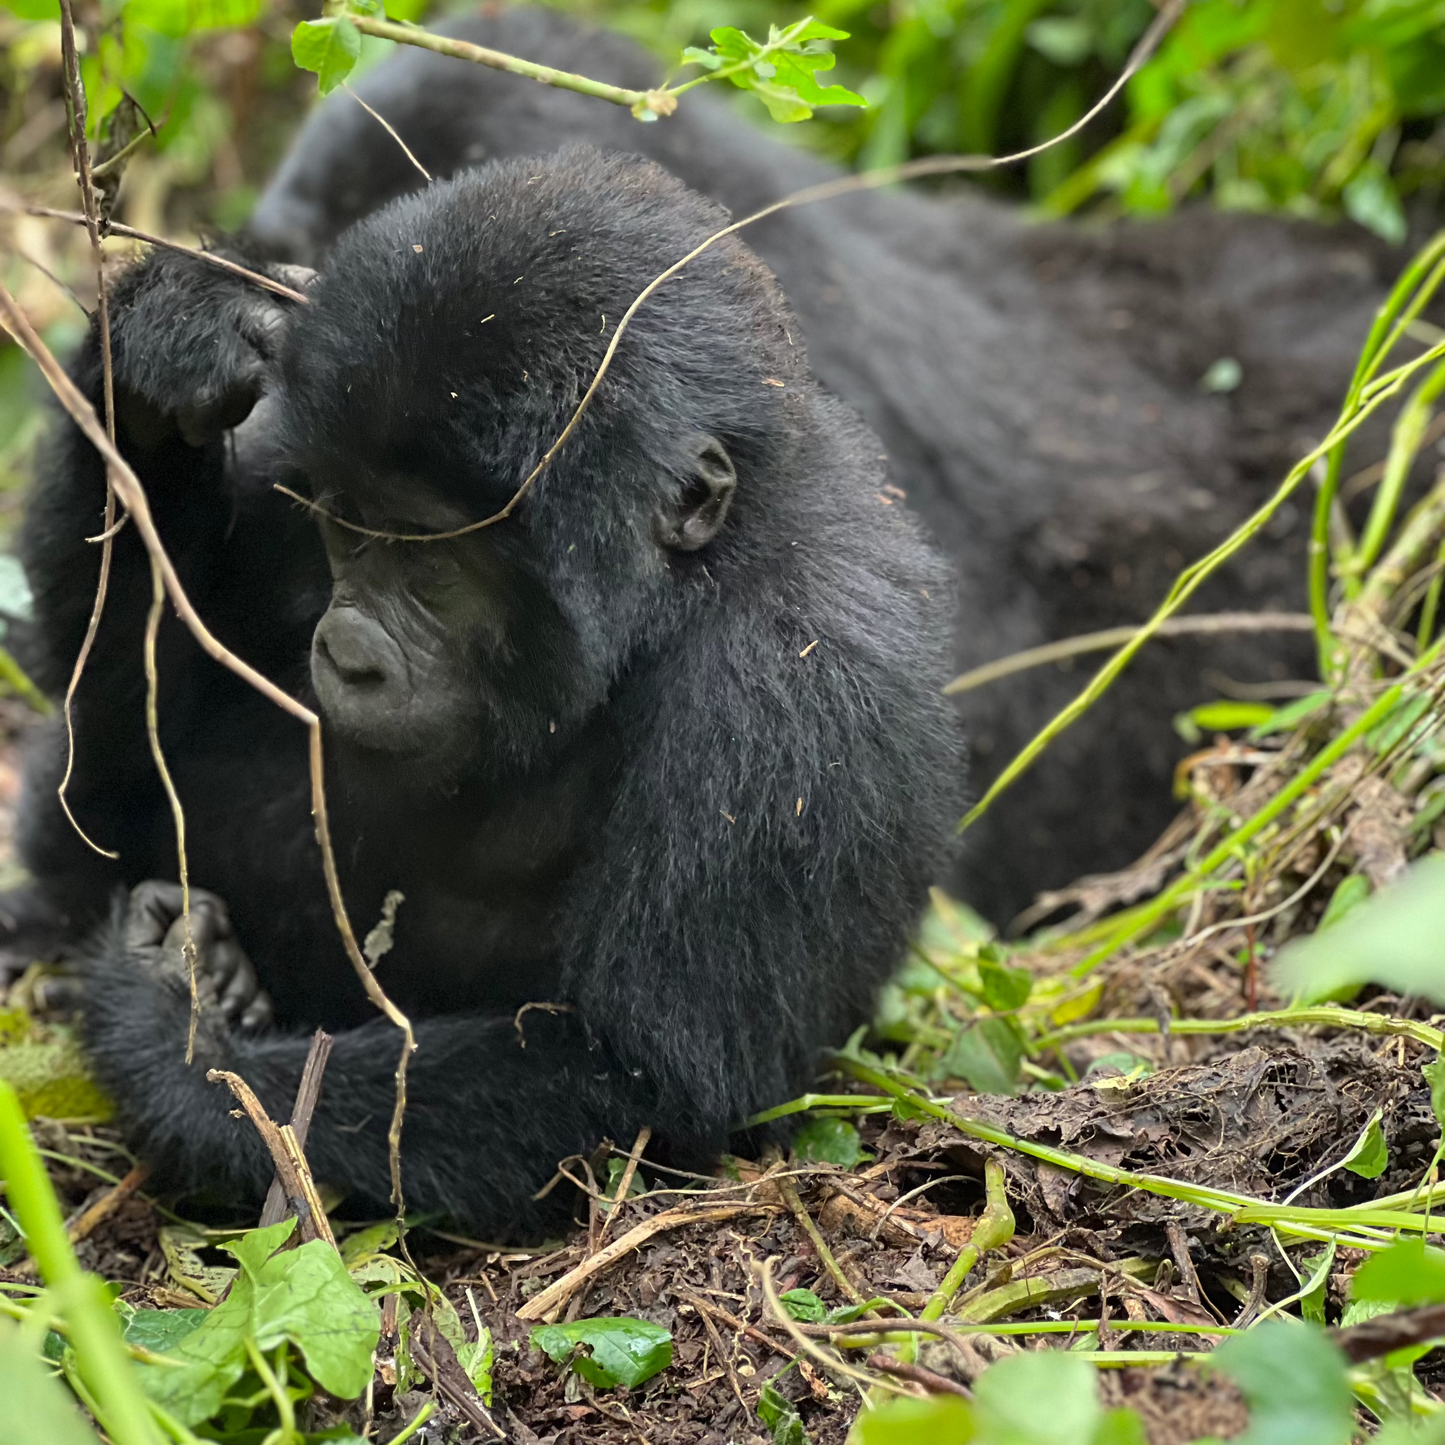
(643, 862)
(1036, 388)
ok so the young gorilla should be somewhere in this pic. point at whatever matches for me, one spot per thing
(665, 748)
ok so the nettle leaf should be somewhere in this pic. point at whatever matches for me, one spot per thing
(161, 1330)
(780, 1416)
(828, 1141)
(782, 71)
(1408, 1272)
(1294, 1380)
(304, 1297)
(329, 47)
(1435, 1076)
(1393, 938)
(620, 1351)
(803, 1304)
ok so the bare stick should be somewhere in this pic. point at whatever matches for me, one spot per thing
(234, 267)
(274, 1210)
(625, 1183)
(824, 191)
(1111, 637)
(90, 1218)
(133, 498)
(551, 1299)
(90, 219)
(433, 1352)
(387, 126)
(178, 815)
(291, 1166)
(935, 1384)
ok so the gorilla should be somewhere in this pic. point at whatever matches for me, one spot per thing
(1037, 389)
(662, 752)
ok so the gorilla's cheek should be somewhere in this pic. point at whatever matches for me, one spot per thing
(377, 694)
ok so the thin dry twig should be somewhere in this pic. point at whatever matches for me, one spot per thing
(287, 1155)
(86, 1222)
(307, 1093)
(550, 1301)
(644, 1134)
(433, 1352)
(1198, 626)
(114, 228)
(387, 126)
(935, 1384)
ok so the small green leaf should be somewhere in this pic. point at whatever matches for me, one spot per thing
(803, 1304)
(1371, 1155)
(1434, 1073)
(705, 58)
(365, 7)
(1224, 717)
(38, 1409)
(1351, 892)
(780, 1415)
(1312, 1298)
(986, 1053)
(1288, 717)
(330, 47)
(1371, 200)
(160, 1330)
(902, 1420)
(1408, 1272)
(828, 1141)
(623, 1351)
(1004, 988)
(1294, 1380)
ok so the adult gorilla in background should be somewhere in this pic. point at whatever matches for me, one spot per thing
(1037, 390)
(664, 750)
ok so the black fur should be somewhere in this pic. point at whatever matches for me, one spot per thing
(647, 806)
(1036, 388)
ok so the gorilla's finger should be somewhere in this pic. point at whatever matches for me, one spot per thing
(259, 1012)
(205, 418)
(153, 907)
(241, 985)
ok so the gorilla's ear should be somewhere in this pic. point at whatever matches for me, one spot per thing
(694, 515)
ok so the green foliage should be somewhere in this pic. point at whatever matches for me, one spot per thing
(329, 47)
(780, 1417)
(608, 1352)
(1371, 1156)
(828, 1141)
(1392, 938)
(988, 1054)
(781, 72)
(301, 1297)
(1294, 1380)
(35, 1401)
(1409, 1272)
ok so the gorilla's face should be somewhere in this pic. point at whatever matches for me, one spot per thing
(433, 655)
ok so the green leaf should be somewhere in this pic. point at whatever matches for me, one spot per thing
(366, 7)
(1371, 1155)
(1394, 938)
(902, 1420)
(1371, 200)
(1434, 1073)
(780, 1415)
(1312, 1298)
(828, 1141)
(1224, 717)
(1294, 1380)
(1119, 1427)
(38, 1409)
(303, 1296)
(1352, 891)
(693, 55)
(1289, 717)
(1004, 988)
(1038, 1397)
(330, 47)
(1409, 1272)
(986, 1053)
(803, 1304)
(161, 1330)
(623, 1351)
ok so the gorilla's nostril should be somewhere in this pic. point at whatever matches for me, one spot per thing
(353, 674)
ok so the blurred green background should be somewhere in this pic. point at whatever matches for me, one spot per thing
(1327, 109)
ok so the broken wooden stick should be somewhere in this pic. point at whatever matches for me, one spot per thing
(290, 1161)
(307, 1093)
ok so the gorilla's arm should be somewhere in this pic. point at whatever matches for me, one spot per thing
(494, 1102)
(190, 346)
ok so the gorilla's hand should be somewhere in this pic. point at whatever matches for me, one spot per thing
(193, 347)
(155, 933)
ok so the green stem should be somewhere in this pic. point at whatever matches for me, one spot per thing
(1277, 1018)
(1430, 608)
(80, 1298)
(1147, 918)
(276, 1388)
(853, 1103)
(654, 102)
(723, 72)
(1189, 581)
(992, 1230)
(12, 673)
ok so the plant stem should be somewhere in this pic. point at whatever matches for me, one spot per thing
(654, 102)
(1275, 1019)
(100, 1353)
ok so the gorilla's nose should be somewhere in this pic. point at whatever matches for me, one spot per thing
(355, 647)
